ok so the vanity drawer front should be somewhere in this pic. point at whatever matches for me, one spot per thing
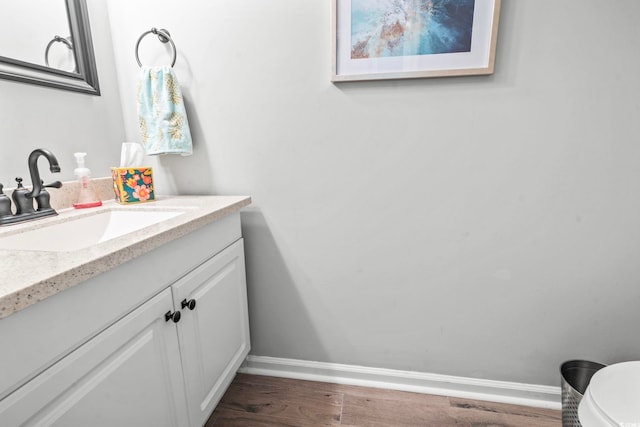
(40, 335)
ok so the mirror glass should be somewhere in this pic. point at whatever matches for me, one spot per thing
(48, 42)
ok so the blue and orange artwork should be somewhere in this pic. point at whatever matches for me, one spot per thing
(386, 28)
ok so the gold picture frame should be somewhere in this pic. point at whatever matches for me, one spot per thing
(413, 39)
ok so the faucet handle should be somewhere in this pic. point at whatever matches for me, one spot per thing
(54, 184)
(43, 199)
(20, 199)
(5, 203)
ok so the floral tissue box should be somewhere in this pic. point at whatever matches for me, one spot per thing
(133, 185)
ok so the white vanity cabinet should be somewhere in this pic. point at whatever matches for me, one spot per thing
(165, 362)
(214, 336)
(129, 374)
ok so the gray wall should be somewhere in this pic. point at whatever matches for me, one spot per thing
(481, 226)
(65, 122)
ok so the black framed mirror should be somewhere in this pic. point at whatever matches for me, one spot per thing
(78, 74)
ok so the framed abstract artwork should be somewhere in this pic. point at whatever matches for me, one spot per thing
(399, 39)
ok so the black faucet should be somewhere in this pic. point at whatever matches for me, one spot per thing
(23, 199)
(36, 182)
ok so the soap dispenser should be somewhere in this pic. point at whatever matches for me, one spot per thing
(87, 197)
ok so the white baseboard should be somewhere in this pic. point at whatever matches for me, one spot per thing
(417, 382)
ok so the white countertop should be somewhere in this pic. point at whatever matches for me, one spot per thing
(27, 277)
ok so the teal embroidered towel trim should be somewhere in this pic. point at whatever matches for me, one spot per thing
(164, 127)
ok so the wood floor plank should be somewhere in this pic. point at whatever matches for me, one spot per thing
(387, 411)
(476, 418)
(243, 419)
(503, 408)
(286, 382)
(261, 401)
(395, 395)
(288, 402)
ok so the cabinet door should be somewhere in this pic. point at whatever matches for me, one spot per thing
(214, 336)
(128, 375)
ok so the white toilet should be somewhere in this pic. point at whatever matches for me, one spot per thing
(612, 397)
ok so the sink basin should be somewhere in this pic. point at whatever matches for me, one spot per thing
(84, 231)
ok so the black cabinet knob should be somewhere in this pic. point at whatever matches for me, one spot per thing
(175, 316)
(191, 304)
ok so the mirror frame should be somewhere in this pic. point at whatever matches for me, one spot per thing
(86, 78)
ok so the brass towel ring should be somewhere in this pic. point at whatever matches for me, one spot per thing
(164, 37)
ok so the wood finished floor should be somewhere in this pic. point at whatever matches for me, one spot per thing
(259, 401)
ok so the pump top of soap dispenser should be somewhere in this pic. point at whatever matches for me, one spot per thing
(81, 170)
(87, 197)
